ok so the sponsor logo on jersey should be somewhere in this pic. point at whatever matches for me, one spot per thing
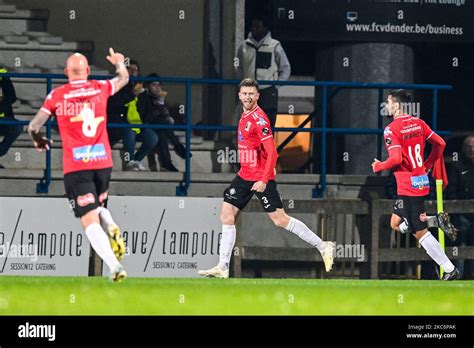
(89, 153)
(387, 131)
(82, 93)
(388, 141)
(86, 199)
(420, 182)
(261, 121)
(265, 131)
(241, 136)
(423, 217)
(411, 128)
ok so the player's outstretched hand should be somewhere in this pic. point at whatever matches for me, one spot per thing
(42, 143)
(374, 163)
(259, 186)
(115, 57)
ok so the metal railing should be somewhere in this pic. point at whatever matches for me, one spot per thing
(324, 130)
(368, 227)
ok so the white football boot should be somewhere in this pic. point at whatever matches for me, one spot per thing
(215, 272)
(328, 255)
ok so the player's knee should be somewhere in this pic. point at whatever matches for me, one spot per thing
(280, 221)
(420, 234)
(394, 224)
(90, 217)
(227, 219)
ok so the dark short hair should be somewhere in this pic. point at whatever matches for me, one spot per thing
(400, 95)
(248, 82)
(152, 75)
(262, 18)
(134, 62)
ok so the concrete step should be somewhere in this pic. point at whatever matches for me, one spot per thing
(20, 21)
(39, 55)
(299, 99)
(4, 8)
(22, 155)
(44, 38)
(30, 89)
(200, 144)
(291, 186)
(13, 39)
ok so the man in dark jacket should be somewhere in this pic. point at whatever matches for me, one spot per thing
(7, 98)
(461, 186)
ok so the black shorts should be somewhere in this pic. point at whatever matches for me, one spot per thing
(239, 194)
(412, 208)
(87, 189)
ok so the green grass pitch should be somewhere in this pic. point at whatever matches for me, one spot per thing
(165, 296)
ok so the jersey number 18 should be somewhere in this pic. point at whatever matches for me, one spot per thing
(418, 160)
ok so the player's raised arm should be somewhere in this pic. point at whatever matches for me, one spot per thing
(122, 77)
(34, 127)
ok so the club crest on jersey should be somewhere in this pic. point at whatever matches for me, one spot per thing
(261, 121)
(247, 126)
(89, 153)
(230, 193)
(420, 182)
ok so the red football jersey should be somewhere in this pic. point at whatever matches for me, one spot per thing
(409, 133)
(81, 111)
(254, 128)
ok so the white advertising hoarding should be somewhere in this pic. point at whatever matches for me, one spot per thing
(168, 236)
(41, 237)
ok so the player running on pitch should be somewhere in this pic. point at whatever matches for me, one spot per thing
(405, 139)
(258, 158)
(80, 109)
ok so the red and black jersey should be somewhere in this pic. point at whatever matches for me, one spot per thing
(81, 111)
(253, 132)
(409, 134)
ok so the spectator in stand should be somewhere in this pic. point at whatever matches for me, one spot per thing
(123, 108)
(116, 106)
(7, 98)
(262, 58)
(158, 113)
(460, 187)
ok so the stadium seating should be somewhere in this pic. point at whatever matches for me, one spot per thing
(27, 48)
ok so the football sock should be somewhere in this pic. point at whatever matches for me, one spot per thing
(227, 245)
(100, 243)
(105, 216)
(432, 221)
(434, 250)
(301, 230)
